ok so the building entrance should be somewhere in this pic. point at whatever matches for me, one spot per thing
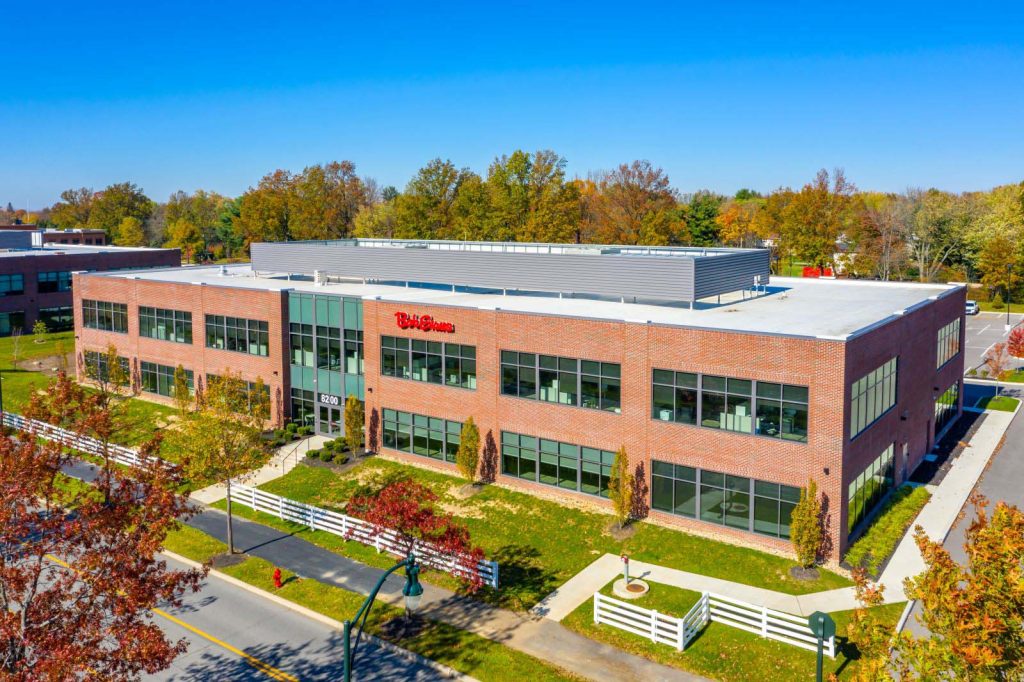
(330, 418)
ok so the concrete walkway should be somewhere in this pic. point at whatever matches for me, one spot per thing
(285, 459)
(538, 637)
(936, 517)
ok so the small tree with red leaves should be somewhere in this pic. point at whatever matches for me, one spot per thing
(1015, 343)
(998, 363)
(79, 573)
(406, 508)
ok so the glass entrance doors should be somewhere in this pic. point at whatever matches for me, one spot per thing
(330, 421)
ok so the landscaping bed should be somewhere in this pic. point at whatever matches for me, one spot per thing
(463, 651)
(538, 544)
(720, 651)
(874, 548)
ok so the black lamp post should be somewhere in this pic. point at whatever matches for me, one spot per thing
(1009, 273)
(412, 591)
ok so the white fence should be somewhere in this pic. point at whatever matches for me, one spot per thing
(351, 528)
(678, 632)
(91, 446)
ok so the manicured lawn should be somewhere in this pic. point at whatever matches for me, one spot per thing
(720, 651)
(538, 544)
(1002, 403)
(888, 528)
(468, 653)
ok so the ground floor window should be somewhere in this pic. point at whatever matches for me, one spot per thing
(302, 407)
(868, 489)
(735, 501)
(57, 319)
(11, 323)
(97, 366)
(159, 379)
(946, 406)
(421, 435)
(550, 462)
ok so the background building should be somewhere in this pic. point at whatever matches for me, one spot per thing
(728, 392)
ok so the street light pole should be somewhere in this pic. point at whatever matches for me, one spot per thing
(412, 591)
(1009, 273)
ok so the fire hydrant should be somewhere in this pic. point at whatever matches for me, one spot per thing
(277, 578)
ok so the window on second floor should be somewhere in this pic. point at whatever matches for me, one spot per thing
(12, 285)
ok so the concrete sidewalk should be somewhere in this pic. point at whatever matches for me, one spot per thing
(285, 459)
(937, 517)
(538, 637)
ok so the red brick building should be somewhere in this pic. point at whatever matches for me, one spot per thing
(35, 282)
(728, 392)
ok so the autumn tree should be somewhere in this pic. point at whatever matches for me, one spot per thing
(805, 526)
(879, 236)
(79, 574)
(1000, 263)
(324, 201)
(221, 438)
(620, 487)
(130, 232)
(1015, 343)
(816, 217)
(355, 421)
(737, 223)
(635, 205)
(426, 209)
(263, 210)
(467, 459)
(529, 199)
(872, 635)
(407, 509)
(72, 211)
(937, 230)
(379, 221)
(115, 203)
(997, 362)
(973, 612)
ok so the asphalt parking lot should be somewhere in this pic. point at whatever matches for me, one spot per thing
(984, 330)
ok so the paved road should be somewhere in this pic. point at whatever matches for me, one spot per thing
(984, 330)
(1002, 481)
(236, 635)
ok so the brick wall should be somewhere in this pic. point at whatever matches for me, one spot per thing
(200, 300)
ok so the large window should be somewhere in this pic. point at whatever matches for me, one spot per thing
(303, 407)
(97, 366)
(553, 463)
(50, 282)
(735, 501)
(434, 362)
(58, 318)
(238, 334)
(12, 322)
(421, 435)
(868, 489)
(159, 379)
(871, 396)
(328, 347)
(301, 344)
(166, 325)
(353, 351)
(946, 406)
(12, 285)
(948, 343)
(568, 381)
(741, 405)
(106, 316)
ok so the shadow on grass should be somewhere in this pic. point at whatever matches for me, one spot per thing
(522, 577)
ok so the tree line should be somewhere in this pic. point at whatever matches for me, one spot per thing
(926, 235)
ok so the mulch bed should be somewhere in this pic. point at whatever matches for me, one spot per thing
(948, 449)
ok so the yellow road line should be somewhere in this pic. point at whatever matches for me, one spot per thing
(270, 670)
(263, 667)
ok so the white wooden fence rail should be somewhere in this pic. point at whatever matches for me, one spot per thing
(71, 439)
(351, 528)
(678, 632)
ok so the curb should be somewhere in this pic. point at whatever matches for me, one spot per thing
(443, 670)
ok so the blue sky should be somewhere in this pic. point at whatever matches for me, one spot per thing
(722, 96)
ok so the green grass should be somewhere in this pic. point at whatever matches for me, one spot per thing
(888, 528)
(539, 544)
(795, 269)
(464, 651)
(1001, 403)
(720, 651)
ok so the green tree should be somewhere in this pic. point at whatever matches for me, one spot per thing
(40, 330)
(130, 233)
(355, 421)
(805, 526)
(378, 221)
(530, 200)
(324, 201)
(700, 214)
(620, 487)
(817, 216)
(425, 210)
(222, 436)
(182, 392)
(467, 459)
(72, 211)
(115, 203)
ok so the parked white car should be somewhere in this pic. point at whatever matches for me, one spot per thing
(972, 308)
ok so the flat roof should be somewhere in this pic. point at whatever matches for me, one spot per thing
(789, 306)
(73, 250)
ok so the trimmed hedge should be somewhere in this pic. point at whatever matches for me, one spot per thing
(880, 540)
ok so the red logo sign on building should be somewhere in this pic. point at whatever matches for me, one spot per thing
(424, 323)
